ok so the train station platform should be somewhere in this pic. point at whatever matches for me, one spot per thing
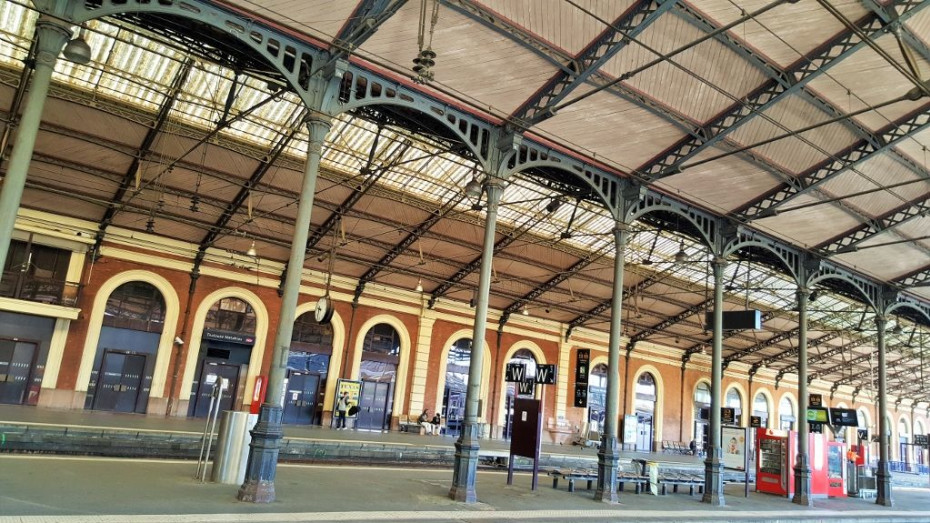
(73, 489)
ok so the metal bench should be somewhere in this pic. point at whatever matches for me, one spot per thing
(582, 474)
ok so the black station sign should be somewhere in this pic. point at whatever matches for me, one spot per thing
(582, 364)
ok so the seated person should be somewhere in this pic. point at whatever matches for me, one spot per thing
(424, 421)
(437, 423)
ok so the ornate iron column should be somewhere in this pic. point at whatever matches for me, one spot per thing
(802, 469)
(266, 436)
(883, 475)
(608, 457)
(51, 35)
(466, 447)
(713, 465)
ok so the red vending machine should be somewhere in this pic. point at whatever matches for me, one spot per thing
(776, 454)
(836, 471)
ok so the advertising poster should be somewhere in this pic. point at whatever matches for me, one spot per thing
(354, 388)
(734, 447)
(629, 429)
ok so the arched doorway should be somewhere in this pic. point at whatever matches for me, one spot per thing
(904, 439)
(307, 369)
(734, 400)
(378, 373)
(225, 350)
(644, 407)
(526, 357)
(597, 397)
(760, 408)
(131, 330)
(919, 451)
(453, 394)
(786, 416)
(701, 414)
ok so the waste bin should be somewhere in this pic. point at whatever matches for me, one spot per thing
(651, 469)
(852, 479)
(232, 447)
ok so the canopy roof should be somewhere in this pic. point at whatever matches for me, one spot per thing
(804, 120)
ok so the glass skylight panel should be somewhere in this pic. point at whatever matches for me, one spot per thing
(18, 23)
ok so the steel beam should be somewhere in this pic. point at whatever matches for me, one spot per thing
(218, 229)
(368, 16)
(762, 98)
(597, 53)
(161, 118)
(404, 244)
(816, 176)
(668, 322)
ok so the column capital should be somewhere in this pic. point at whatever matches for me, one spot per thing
(52, 36)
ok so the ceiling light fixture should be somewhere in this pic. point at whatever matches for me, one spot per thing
(473, 188)
(419, 285)
(252, 253)
(77, 50)
(682, 255)
(526, 312)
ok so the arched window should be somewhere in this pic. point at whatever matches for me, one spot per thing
(453, 397)
(136, 305)
(760, 408)
(231, 315)
(380, 354)
(644, 405)
(597, 396)
(786, 415)
(735, 402)
(701, 413)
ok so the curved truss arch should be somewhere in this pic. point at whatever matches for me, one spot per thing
(870, 293)
(706, 225)
(790, 259)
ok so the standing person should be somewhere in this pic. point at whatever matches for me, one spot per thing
(342, 405)
(424, 422)
(437, 423)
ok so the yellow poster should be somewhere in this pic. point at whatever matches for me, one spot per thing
(354, 389)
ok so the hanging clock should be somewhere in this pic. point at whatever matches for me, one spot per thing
(324, 310)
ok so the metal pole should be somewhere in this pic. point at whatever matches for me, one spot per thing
(802, 469)
(201, 460)
(465, 467)
(883, 474)
(214, 413)
(713, 464)
(263, 451)
(608, 457)
(51, 38)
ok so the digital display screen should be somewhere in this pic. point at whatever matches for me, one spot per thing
(844, 418)
(817, 415)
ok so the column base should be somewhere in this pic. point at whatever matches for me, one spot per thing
(263, 457)
(608, 466)
(713, 478)
(802, 483)
(465, 467)
(883, 484)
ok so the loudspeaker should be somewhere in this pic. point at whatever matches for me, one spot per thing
(736, 320)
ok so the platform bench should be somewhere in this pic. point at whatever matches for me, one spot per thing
(681, 480)
(410, 424)
(571, 475)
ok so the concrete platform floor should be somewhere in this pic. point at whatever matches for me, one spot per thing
(36, 489)
(44, 489)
